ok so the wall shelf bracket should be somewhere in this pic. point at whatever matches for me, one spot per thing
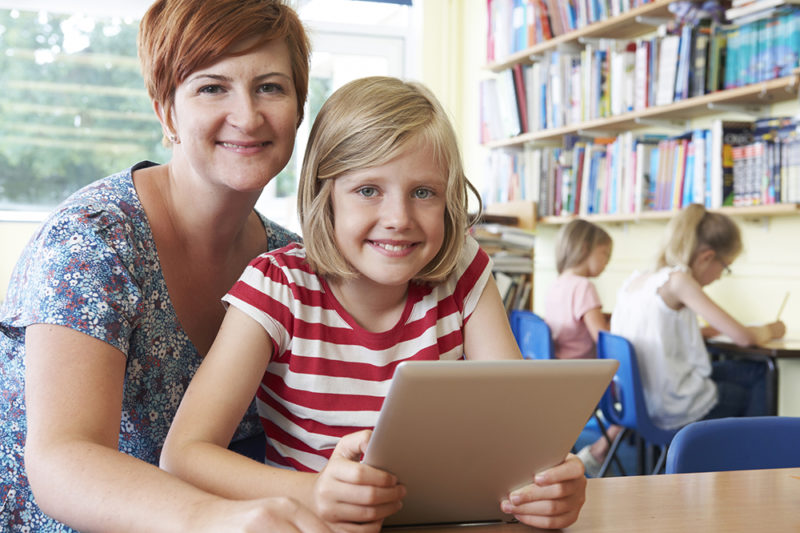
(746, 109)
(652, 21)
(594, 134)
(674, 124)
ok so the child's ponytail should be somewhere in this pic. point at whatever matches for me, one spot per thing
(695, 229)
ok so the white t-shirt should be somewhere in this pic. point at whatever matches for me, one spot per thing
(673, 361)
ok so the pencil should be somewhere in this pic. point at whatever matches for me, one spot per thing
(783, 304)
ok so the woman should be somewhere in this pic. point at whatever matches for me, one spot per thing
(116, 299)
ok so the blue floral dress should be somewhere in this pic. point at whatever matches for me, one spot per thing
(92, 266)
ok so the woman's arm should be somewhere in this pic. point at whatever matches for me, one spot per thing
(73, 398)
(689, 292)
(220, 392)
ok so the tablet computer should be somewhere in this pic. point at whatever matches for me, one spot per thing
(461, 435)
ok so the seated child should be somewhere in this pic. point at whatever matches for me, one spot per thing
(315, 330)
(572, 306)
(573, 309)
(657, 311)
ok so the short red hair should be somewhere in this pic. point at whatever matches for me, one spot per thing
(179, 37)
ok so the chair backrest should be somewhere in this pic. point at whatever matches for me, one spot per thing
(623, 403)
(532, 334)
(746, 443)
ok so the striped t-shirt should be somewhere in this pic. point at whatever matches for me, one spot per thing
(328, 376)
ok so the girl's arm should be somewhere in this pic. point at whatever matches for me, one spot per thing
(596, 321)
(73, 396)
(689, 292)
(487, 333)
(214, 403)
(555, 497)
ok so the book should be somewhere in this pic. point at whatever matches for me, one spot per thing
(521, 97)
(667, 68)
(716, 57)
(725, 135)
(641, 74)
(697, 75)
(509, 112)
(754, 7)
(681, 91)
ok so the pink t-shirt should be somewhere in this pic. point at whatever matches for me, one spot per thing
(568, 299)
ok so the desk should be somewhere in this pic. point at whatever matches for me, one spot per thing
(746, 501)
(769, 353)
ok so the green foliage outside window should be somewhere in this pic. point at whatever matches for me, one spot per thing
(73, 107)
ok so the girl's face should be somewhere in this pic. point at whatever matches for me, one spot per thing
(236, 119)
(389, 219)
(597, 260)
(709, 266)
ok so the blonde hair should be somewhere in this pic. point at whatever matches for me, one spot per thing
(576, 240)
(366, 123)
(693, 230)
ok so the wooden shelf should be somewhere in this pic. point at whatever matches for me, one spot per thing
(756, 211)
(748, 98)
(630, 24)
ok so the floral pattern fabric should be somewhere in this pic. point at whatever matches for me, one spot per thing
(93, 267)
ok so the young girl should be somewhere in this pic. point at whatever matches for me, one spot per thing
(385, 275)
(573, 309)
(572, 306)
(658, 312)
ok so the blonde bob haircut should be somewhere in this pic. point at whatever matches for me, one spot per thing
(576, 241)
(694, 230)
(179, 37)
(367, 123)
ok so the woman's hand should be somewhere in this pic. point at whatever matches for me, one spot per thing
(352, 496)
(257, 516)
(553, 500)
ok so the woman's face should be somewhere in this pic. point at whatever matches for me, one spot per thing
(236, 119)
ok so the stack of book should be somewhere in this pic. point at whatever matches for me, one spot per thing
(511, 250)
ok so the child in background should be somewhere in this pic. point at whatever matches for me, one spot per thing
(657, 311)
(573, 309)
(385, 274)
(572, 306)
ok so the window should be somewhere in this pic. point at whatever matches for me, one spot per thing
(74, 107)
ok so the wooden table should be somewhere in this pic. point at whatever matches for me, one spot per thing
(740, 501)
(769, 353)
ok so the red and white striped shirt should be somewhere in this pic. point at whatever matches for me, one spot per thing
(328, 376)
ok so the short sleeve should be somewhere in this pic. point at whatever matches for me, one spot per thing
(265, 293)
(76, 273)
(473, 271)
(586, 298)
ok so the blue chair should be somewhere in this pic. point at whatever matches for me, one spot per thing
(532, 334)
(623, 403)
(747, 443)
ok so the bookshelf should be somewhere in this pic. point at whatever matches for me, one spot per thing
(506, 233)
(746, 212)
(752, 96)
(754, 100)
(633, 23)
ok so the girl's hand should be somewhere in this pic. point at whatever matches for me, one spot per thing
(352, 496)
(553, 500)
(777, 329)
